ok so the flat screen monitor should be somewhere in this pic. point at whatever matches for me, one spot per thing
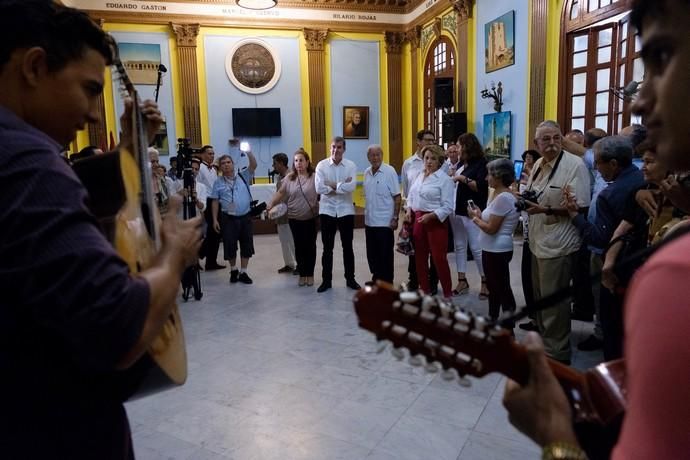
(256, 122)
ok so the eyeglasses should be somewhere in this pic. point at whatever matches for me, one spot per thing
(547, 139)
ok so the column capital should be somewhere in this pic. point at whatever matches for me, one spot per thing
(463, 8)
(394, 42)
(414, 36)
(316, 38)
(186, 34)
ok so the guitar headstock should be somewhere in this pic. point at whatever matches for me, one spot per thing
(430, 327)
(126, 86)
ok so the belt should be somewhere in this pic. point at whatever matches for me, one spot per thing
(233, 216)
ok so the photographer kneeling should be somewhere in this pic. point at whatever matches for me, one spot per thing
(232, 196)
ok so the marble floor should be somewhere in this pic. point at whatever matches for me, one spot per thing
(277, 371)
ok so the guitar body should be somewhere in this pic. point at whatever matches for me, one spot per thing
(114, 186)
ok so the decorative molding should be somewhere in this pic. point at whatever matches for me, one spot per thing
(395, 129)
(437, 27)
(449, 24)
(537, 73)
(189, 77)
(463, 8)
(253, 66)
(462, 65)
(185, 33)
(427, 36)
(315, 38)
(394, 42)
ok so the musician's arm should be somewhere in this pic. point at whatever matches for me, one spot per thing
(181, 243)
(252, 162)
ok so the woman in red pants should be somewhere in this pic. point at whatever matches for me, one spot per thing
(430, 202)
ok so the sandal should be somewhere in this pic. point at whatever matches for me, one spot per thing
(310, 280)
(463, 287)
(302, 281)
(483, 292)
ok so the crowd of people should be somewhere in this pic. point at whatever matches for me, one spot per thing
(76, 313)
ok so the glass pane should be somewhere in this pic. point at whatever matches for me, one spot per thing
(624, 49)
(579, 83)
(574, 10)
(604, 55)
(580, 59)
(578, 123)
(619, 122)
(638, 44)
(593, 5)
(621, 75)
(605, 37)
(602, 122)
(578, 106)
(605, 2)
(580, 43)
(603, 79)
(602, 102)
(638, 69)
(624, 32)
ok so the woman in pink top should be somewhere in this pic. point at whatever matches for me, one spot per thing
(299, 194)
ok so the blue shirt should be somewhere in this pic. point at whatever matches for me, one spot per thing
(69, 312)
(611, 204)
(233, 193)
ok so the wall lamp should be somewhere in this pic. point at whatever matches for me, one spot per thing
(496, 94)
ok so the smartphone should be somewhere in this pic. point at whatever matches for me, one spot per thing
(519, 164)
(244, 146)
(471, 205)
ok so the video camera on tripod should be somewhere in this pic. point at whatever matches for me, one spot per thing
(185, 154)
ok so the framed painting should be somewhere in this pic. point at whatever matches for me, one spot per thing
(497, 135)
(499, 42)
(355, 122)
(141, 61)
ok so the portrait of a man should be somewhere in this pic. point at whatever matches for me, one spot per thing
(356, 122)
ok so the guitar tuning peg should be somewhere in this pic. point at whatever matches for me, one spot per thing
(409, 297)
(448, 375)
(381, 346)
(464, 382)
(428, 302)
(398, 353)
(415, 360)
(431, 367)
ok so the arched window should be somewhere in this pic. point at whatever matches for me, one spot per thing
(439, 63)
(600, 56)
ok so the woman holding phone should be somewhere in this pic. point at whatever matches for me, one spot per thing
(497, 223)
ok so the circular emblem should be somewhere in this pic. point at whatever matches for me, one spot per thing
(253, 66)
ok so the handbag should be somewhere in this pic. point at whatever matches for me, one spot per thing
(404, 244)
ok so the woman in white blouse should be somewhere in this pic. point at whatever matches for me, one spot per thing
(430, 202)
(497, 224)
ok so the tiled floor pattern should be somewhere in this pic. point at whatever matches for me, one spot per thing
(277, 371)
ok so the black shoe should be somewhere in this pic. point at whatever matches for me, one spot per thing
(295, 271)
(214, 266)
(325, 286)
(286, 269)
(244, 278)
(352, 284)
(591, 343)
(581, 316)
(531, 326)
(233, 275)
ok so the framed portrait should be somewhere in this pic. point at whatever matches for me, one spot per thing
(141, 61)
(355, 122)
(497, 135)
(499, 42)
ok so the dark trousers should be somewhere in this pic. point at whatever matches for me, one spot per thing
(304, 236)
(497, 272)
(210, 245)
(526, 272)
(583, 299)
(611, 317)
(345, 225)
(380, 241)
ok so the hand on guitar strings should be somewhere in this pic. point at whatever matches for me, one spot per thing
(152, 119)
(540, 409)
(181, 238)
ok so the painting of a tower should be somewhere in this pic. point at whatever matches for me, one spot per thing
(499, 42)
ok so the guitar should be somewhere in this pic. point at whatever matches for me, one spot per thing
(135, 235)
(468, 344)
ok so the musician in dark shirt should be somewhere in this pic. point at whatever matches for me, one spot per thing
(73, 320)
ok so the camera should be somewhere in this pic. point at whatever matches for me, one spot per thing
(527, 196)
(185, 153)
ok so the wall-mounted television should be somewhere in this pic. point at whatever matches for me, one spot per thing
(256, 122)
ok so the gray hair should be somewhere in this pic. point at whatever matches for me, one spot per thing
(617, 148)
(549, 124)
(374, 146)
(502, 169)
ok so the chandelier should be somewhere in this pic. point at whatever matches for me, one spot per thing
(256, 4)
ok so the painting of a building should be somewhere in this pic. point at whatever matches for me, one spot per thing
(497, 135)
(500, 48)
(141, 60)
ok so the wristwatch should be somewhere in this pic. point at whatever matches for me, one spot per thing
(549, 211)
